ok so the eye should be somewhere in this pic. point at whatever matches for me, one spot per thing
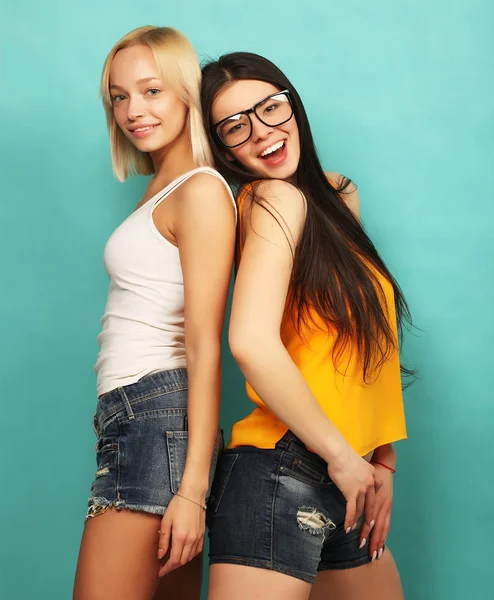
(271, 107)
(236, 128)
(153, 91)
(118, 98)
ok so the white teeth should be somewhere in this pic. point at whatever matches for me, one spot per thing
(144, 128)
(272, 148)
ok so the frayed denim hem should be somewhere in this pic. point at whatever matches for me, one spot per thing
(97, 505)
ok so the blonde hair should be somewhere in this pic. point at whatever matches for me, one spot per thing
(178, 65)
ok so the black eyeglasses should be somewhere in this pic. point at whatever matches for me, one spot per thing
(274, 110)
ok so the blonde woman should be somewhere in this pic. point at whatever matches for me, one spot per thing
(158, 370)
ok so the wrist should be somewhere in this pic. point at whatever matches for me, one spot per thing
(195, 489)
(201, 503)
(385, 454)
(336, 452)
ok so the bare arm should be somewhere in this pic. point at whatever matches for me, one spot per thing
(205, 232)
(259, 298)
(204, 228)
(385, 454)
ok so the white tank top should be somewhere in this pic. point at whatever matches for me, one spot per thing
(143, 325)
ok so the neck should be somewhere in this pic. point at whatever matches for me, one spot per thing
(173, 160)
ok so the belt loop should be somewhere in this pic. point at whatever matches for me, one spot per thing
(289, 441)
(125, 400)
(284, 443)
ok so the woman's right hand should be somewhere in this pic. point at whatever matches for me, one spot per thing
(356, 480)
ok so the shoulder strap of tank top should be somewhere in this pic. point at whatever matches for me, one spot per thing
(178, 182)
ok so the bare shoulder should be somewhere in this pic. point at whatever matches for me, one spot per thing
(203, 205)
(275, 190)
(285, 198)
(349, 192)
(206, 187)
(278, 207)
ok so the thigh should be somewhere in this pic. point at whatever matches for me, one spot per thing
(250, 583)
(118, 561)
(118, 557)
(184, 583)
(378, 580)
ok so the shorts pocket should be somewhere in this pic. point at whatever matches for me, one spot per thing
(106, 458)
(304, 472)
(176, 443)
(223, 473)
(107, 443)
(96, 429)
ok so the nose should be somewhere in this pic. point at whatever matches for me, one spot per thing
(260, 131)
(135, 107)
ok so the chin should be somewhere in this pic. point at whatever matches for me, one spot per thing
(285, 173)
(148, 146)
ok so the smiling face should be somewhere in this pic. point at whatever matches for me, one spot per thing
(149, 113)
(270, 152)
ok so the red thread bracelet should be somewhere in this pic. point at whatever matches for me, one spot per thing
(383, 465)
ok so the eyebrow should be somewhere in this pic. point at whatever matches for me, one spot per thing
(240, 112)
(139, 82)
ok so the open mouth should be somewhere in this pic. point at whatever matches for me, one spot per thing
(275, 155)
(274, 152)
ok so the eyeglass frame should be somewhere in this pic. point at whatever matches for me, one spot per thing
(248, 112)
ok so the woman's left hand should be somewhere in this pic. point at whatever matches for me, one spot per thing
(382, 518)
(182, 533)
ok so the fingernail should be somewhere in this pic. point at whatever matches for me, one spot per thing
(354, 527)
(362, 543)
(161, 553)
(374, 556)
(372, 524)
(348, 529)
(380, 553)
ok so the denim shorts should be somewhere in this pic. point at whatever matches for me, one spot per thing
(141, 446)
(279, 510)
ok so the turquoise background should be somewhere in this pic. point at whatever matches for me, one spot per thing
(401, 98)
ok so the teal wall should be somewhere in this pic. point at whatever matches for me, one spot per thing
(401, 98)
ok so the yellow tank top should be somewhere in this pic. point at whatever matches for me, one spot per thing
(367, 414)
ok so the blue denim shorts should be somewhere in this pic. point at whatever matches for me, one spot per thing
(279, 510)
(141, 446)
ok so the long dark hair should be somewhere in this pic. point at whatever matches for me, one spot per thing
(331, 272)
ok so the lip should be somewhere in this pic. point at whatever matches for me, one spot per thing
(269, 146)
(277, 160)
(144, 132)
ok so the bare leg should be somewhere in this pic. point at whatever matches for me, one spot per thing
(250, 583)
(184, 583)
(378, 580)
(118, 559)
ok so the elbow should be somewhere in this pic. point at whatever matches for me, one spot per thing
(238, 350)
(203, 352)
(240, 342)
(248, 346)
